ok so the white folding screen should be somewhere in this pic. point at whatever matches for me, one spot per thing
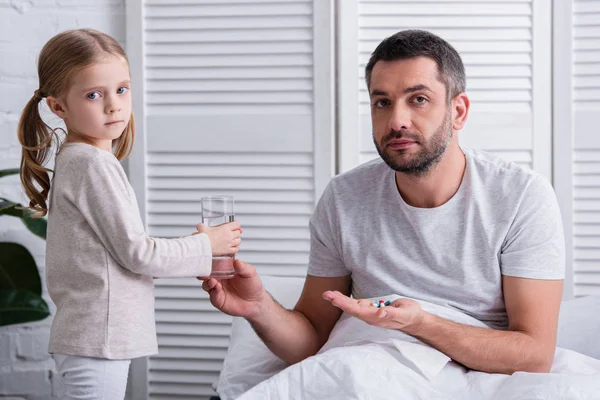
(506, 48)
(576, 139)
(236, 99)
(562, 127)
(586, 146)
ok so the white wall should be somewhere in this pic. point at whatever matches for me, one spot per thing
(26, 371)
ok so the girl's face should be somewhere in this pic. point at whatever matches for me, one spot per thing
(97, 106)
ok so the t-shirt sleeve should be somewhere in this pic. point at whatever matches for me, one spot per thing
(325, 245)
(535, 246)
(103, 198)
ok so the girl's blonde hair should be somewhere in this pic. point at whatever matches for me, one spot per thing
(63, 56)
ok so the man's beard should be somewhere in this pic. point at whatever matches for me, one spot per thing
(429, 155)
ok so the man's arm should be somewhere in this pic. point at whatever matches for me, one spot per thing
(528, 345)
(291, 335)
(532, 306)
(300, 333)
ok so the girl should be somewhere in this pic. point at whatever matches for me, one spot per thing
(100, 263)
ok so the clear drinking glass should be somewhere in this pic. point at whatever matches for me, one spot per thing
(217, 210)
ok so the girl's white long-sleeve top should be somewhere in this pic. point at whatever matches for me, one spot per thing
(100, 262)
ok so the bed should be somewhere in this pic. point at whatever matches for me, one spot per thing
(250, 370)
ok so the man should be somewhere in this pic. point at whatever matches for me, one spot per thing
(430, 221)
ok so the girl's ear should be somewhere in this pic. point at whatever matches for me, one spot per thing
(56, 106)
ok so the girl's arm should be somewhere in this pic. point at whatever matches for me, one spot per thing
(103, 197)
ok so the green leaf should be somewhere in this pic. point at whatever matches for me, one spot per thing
(37, 226)
(6, 172)
(20, 306)
(6, 206)
(18, 269)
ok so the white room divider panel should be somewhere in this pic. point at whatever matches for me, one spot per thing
(506, 48)
(236, 99)
(586, 145)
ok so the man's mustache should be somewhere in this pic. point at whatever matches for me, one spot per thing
(403, 134)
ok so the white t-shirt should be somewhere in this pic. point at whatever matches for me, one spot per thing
(503, 220)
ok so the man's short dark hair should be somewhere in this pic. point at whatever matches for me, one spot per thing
(417, 43)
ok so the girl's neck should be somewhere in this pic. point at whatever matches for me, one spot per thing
(74, 137)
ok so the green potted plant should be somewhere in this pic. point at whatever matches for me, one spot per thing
(20, 284)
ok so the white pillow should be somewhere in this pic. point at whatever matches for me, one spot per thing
(579, 326)
(249, 361)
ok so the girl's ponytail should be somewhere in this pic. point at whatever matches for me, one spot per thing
(36, 140)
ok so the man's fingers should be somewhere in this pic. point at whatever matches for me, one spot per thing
(341, 301)
(244, 270)
(383, 313)
(209, 284)
(361, 309)
(216, 293)
(364, 303)
(330, 295)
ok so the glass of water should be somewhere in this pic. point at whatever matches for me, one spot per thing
(217, 210)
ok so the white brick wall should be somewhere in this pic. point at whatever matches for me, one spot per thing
(26, 370)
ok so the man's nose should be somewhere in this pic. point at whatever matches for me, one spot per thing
(400, 119)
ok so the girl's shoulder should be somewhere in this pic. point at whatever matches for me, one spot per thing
(82, 170)
(81, 159)
(84, 155)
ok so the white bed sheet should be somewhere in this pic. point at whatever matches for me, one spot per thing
(361, 361)
(379, 371)
(249, 362)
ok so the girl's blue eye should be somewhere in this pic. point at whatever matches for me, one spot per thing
(93, 96)
(122, 90)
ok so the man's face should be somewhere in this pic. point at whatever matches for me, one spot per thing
(412, 120)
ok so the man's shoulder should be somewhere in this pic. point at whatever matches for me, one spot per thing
(495, 178)
(362, 173)
(350, 187)
(490, 166)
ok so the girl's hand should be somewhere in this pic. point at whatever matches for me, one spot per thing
(224, 239)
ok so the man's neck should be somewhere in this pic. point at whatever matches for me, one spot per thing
(438, 185)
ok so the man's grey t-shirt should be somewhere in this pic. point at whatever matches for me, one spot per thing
(503, 220)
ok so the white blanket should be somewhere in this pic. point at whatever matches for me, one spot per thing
(364, 362)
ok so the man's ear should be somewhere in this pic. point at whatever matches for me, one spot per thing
(460, 111)
(56, 106)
